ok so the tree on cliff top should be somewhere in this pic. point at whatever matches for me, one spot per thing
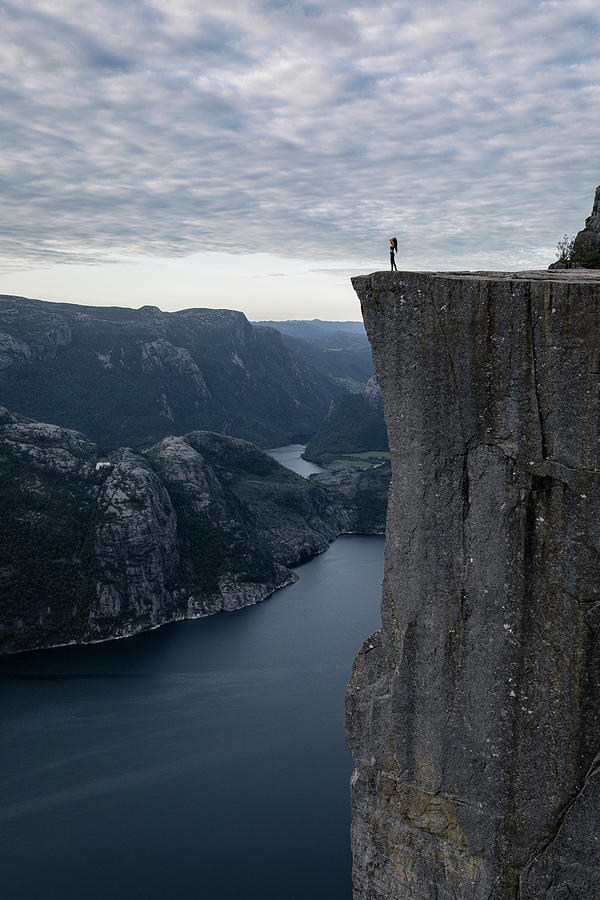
(565, 248)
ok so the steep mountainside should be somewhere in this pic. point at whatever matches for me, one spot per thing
(355, 424)
(340, 350)
(130, 377)
(94, 547)
(474, 714)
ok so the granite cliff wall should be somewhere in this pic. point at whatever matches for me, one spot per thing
(473, 715)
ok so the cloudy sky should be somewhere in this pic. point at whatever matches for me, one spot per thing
(255, 153)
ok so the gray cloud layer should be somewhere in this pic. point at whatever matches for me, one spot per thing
(165, 127)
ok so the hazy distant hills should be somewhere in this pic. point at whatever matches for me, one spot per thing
(340, 350)
(322, 333)
(130, 377)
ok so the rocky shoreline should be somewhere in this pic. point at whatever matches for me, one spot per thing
(120, 636)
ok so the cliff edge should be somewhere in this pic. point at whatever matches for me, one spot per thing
(473, 714)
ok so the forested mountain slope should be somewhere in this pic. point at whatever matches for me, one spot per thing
(354, 424)
(340, 350)
(132, 376)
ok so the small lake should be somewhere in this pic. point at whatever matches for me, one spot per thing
(291, 457)
(203, 760)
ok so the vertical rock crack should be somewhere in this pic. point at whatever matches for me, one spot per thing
(535, 366)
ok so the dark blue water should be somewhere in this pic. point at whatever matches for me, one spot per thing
(203, 760)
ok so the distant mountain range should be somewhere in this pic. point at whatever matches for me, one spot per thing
(132, 376)
(340, 350)
(323, 333)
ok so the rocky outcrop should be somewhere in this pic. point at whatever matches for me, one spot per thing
(586, 247)
(360, 495)
(94, 547)
(133, 376)
(27, 335)
(585, 252)
(474, 714)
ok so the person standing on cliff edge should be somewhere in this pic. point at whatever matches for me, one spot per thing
(393, 248)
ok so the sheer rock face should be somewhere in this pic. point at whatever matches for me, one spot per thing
(473, 715)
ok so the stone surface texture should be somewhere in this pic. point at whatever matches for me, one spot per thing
(473, 714)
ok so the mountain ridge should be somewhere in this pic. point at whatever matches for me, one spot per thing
(132, 376)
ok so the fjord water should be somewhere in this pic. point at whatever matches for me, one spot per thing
(202, 760)
(291, 457)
